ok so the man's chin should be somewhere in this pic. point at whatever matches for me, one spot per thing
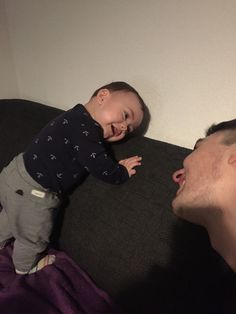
(178, 208)
(175, 206)
(180, 205)
(193, 214)
(178, 211)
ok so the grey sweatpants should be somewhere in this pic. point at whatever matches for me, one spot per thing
(27, 214)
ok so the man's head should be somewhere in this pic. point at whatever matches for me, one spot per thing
(118, 108)
(207, 188)
(207, 181)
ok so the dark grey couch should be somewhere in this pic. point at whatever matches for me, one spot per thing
(126, 237)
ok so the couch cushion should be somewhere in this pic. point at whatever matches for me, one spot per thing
(126, 237)
(133, 246)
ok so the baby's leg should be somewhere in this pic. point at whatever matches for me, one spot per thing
(32, 230)
(27, 259)
(30, 210)
(45, 261)
(5, 233)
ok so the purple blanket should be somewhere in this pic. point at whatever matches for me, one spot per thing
(61, 288)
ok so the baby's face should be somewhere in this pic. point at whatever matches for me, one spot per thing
(118, 113)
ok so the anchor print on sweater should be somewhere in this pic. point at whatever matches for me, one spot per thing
(68, 147)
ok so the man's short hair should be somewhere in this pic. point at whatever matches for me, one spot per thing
(229, 129)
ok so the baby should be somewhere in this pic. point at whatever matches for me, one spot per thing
(64, 152)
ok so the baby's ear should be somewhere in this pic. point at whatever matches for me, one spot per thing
(102, 94)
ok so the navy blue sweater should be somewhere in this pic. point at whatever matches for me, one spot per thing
(67, 149)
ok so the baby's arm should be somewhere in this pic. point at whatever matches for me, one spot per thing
(130, 163)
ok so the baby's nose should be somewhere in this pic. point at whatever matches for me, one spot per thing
(124, 126)
(177, 175)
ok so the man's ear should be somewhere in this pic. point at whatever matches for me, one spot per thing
(102, 94)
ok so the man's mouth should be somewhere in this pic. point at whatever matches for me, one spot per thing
(181, 186)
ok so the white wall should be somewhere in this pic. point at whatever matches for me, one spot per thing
(179, 54)
(8, 84)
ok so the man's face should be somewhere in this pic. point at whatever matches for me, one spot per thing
(201, 177)
(119, 113)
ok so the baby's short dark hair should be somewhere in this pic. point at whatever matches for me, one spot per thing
(121, 86)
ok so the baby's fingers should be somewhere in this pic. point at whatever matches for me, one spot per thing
(134, 159)
(131, 163)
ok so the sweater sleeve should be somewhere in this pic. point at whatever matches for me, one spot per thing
(93, 156)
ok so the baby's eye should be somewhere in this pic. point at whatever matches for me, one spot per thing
(125, 115)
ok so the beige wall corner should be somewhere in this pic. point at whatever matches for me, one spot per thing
(8, 81)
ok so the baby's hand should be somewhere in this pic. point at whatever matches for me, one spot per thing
(130, 163)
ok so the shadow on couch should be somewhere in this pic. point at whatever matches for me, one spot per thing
(196, 281)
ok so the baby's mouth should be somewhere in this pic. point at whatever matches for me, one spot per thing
(115, 131)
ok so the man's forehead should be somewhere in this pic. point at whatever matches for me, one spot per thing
(197, 144)
(215, 137)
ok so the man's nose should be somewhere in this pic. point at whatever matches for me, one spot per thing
(177, 175)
